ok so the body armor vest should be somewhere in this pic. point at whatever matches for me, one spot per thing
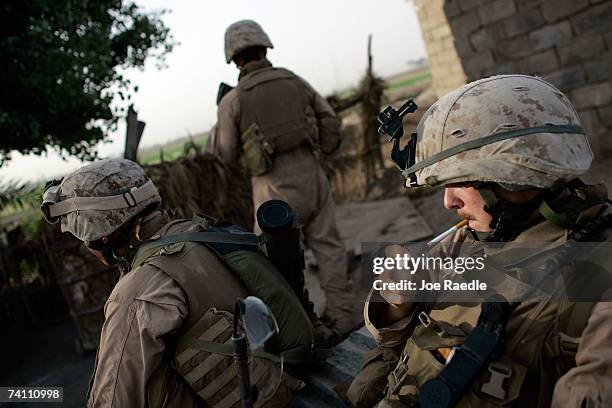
(276, 117)
(202, 353)
(542, 339)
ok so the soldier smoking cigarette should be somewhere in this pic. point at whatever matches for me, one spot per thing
(446, 233)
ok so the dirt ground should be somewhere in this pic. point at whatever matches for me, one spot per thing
(46, 357)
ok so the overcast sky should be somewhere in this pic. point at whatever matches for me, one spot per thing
(324, 41)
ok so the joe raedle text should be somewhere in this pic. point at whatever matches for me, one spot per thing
(446, 285)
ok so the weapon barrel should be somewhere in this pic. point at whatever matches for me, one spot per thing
(283, 247)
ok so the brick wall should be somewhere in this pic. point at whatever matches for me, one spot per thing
(444, 63)
(567, 42)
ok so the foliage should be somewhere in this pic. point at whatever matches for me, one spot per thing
(15, 196)
(202, 182)
(62, 64)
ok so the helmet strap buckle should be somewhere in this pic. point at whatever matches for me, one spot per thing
(132, 200)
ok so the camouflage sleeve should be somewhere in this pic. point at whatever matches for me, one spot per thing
(368, 386)
(389, 334)
(227, 132)
(589, 384)
(327, 121)
(320, 105)
(145, 306)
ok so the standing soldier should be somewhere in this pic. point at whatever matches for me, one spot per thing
(167, 317)
(508, 150)
(272, 123)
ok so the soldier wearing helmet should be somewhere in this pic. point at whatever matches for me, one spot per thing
(274, 123)
(168, 293)
(508, 151)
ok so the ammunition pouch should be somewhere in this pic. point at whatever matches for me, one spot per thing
(260, 145)
(256, 157)
(204, 359)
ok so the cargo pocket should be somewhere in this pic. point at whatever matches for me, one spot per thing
(423, 356)
(256, 157)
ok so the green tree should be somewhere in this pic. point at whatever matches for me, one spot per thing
(62, 64)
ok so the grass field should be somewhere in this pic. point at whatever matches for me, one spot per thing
(397, 82)
(171, 151)
(408, 80)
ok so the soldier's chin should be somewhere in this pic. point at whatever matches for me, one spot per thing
(479, 226)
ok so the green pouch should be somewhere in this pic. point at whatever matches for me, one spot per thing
(263, 280)
(256, 152)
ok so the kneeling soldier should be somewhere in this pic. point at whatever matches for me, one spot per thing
(167, 319)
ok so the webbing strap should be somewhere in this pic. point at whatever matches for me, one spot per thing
(205, 345)
(149, 248)
(551, 215)
(569, 332)
(578, 318)
(126, 200)
(291, 356)
(496, 137)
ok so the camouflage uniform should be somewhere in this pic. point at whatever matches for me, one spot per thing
(155, 302)
(519, 132)
(295, 120)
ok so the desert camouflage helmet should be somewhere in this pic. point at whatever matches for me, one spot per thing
(515, 130)
(244, 34)
(99, 198)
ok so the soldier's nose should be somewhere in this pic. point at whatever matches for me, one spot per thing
(451, 199)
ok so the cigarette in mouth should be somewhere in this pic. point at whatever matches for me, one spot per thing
(448, 232)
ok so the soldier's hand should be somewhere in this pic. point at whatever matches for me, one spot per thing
(397, 297)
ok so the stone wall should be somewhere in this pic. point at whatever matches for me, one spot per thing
(567, 42)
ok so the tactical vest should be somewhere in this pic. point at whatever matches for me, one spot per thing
(212, 276)
(542, 339)
(276, 116)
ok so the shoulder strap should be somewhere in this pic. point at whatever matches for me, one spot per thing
(151, 247)
(574, 322)
(562, 346)
(264, 75)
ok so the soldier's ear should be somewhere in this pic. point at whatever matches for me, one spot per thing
(104, 240)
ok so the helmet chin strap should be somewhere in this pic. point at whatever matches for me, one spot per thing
(122, 262)
(129, 248)
(507, 217)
